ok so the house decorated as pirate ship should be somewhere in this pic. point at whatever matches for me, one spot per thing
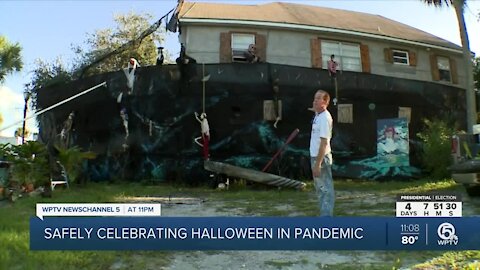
(390, 76)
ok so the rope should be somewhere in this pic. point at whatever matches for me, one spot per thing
(336, 99)
(54, 106)
(203, 83)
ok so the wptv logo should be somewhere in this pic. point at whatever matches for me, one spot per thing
(446, 233)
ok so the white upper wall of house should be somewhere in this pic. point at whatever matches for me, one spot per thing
(291, 47)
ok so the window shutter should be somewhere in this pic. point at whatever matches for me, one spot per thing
(434, 67)
(412, 58)
(453, 71)
(364, 53)
(316, 54)
(261, 42)
(388, 55)
(225, 48)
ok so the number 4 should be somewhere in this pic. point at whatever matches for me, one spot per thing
(408, 206)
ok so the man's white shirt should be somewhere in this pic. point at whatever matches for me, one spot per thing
(321, 128)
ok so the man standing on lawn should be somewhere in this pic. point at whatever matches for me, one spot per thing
(321, 153)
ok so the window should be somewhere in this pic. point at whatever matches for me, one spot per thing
(400, 57)
(345, 113)
(443, 64)
(347, 55)
(240, 44)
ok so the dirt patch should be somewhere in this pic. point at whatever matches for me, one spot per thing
(258, 260)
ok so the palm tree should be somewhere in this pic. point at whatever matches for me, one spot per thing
(10, 59)
(459, 6)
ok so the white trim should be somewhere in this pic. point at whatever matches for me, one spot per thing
(317, 28)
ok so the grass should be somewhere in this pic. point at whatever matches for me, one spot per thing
(469, 260)
(354, 198)
(14, 234)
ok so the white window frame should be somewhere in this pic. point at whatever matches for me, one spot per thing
(340, 55)
(442, 69)
(399, 58)
(239, 49)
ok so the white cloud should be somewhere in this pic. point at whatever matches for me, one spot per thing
(11, 109)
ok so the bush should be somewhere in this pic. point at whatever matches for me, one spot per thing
(29, 163)
(72, 159)
(436, 154)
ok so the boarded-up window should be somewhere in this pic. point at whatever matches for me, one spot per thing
(269, 113)
(345, 113)
(347, 55)
(405, 112)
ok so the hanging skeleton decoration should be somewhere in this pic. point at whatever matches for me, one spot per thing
(160, 57)
(276, 91)
(130, 73)
(67, 127)
(205, 134)
(124, 116)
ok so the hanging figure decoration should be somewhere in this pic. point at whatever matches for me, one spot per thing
(124, 116)
(160, 57)
(65, 134)
(332, 72)
(130, 73)
(205, 134)
(276, 101)
(251, 54)
(187, 67)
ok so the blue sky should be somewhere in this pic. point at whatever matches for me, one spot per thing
(47, 29)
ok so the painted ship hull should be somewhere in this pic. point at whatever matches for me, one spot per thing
(162, 126)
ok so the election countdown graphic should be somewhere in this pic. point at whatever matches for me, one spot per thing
(430, 205)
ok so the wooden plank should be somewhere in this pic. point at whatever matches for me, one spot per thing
(253, 175)
(316, 54)
(365, 54)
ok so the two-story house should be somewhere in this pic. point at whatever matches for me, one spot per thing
(386, 69)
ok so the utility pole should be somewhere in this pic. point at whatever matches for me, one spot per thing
(26, 95)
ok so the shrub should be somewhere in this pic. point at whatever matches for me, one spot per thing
(436, 154)
(29, 163)
(72, 159)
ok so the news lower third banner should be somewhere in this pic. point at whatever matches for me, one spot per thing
(253, 233)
